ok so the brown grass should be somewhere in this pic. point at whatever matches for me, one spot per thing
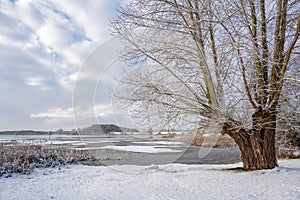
(169, 135)
(221, 141)
(287, 153)
(225, 141)
(25, 158)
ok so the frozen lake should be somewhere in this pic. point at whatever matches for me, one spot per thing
(130, 149)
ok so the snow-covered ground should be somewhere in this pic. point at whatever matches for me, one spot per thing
(172, 181)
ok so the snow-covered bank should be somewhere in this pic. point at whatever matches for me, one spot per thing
(172, 181)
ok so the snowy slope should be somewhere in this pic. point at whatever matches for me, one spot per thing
(172, 181)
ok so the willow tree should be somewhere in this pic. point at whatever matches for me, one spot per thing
(224, 62)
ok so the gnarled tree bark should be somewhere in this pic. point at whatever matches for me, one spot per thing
(257, 145)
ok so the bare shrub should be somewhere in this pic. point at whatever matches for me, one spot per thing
(25, 158)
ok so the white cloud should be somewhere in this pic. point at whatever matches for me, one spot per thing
(55, 113)
(57, 34)
(77, 113)
(68, 81)
(53, 35)
(91, 16)
(43, 44)
(38, 82)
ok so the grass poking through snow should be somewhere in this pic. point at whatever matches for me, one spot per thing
(24, 158)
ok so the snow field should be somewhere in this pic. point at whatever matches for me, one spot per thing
(172, 181)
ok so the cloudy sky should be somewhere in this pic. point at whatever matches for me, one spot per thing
(43, 46)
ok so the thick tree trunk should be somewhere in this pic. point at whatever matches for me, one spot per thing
(257, 145)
